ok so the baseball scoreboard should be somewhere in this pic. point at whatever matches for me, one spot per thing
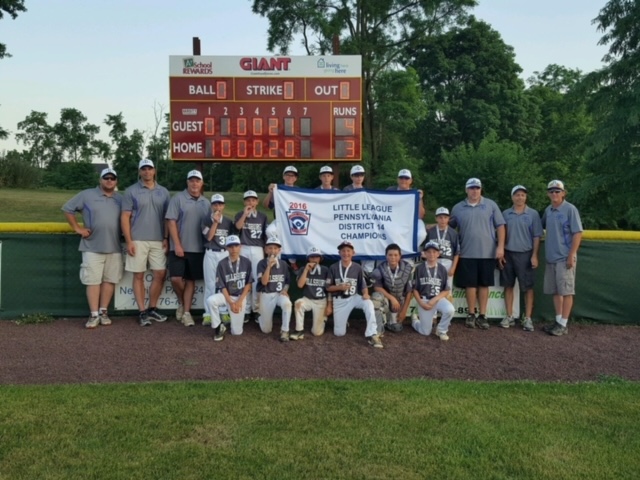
(298, 108)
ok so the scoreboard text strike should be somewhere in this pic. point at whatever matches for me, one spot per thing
(266, 108)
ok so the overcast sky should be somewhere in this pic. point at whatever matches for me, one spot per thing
(109, 56)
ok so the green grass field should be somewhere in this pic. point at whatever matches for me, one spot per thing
(315, 429)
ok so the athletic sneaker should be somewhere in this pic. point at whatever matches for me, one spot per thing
(375, 342)
(187, 319)
(206, 320)
(219, 336)
(297, 335)
(442, 336)
(558, 330)
(547, 328)
(155, 315)
(92, 322)
(482, 322)
(470, 322)
(104, 319)
(393, 327)
(179, 313)
(507, 322)
(527, 324)
(284, 336)
(144, 319)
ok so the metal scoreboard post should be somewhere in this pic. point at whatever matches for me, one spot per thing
(300, 108)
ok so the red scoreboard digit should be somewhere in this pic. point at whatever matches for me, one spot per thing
(266, 108)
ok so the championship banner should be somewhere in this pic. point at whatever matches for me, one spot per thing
(370, 219)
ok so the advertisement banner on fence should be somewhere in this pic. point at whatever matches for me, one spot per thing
(123, 298)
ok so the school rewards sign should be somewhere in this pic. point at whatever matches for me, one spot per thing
(370, 219)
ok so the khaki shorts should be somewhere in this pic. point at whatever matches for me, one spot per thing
(150, 251)
(97, 268)
(559, 280)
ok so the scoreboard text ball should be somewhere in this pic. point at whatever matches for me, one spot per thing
(261, 109)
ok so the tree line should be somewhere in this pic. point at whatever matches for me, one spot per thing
(442, 96)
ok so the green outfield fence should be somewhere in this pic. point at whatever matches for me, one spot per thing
(39, 265)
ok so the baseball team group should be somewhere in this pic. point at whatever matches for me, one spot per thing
(245, 277)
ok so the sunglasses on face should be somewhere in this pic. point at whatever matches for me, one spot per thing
(474, 188)
(358, 175)
(555, 191)
(109, 179)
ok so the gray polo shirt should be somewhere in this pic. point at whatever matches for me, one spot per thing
(101, 215)
(561, 224)
(522, 228)
(219, 240)
(188, 211)
(477, 227)
(148, 207)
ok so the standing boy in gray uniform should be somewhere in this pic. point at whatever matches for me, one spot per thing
(234, 282)
(447, 238)
(273, 284)
(184, 215)
(101, 266)
(564, 234)
(479, 222)
(312, 279)
(215, 230)
(346, 283)
(524, 230)
(144, 206)
(252, 226)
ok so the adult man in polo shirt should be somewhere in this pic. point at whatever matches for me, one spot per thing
(479, 221)
(184, 214)
(564, 234)
(326, 179)
(524, 230)
(144, 206)
(101, 266)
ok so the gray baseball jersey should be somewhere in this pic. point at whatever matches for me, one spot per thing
(447, 239)
(391, 280)
(353, 275)
(224, 229)
(522, 228)
(148, 206)
(234, 276)
(350, 188)
(430, 281)
(279, 277)
(253, 232)
(561, 224)
(101, 215)
(188, 211)
(332, 188)
(477, 227)
(316, 285)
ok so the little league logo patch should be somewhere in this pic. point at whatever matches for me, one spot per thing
(299, 221)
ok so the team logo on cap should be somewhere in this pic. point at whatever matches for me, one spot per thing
(299, 221)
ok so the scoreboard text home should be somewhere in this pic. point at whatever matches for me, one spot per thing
(266, 108)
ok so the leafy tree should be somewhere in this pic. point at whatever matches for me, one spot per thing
(71, 175)
(16, 171)
(608, 196)
(75, 137)
(127, 149)
(39, 139)
(500, 164)
(472, 89)
(378, 30)
(13, 8)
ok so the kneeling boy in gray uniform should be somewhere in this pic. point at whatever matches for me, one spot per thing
(346, 282)
(392, 290)
(273, 285)
(234, 281)
(312, 279)
(431, 290)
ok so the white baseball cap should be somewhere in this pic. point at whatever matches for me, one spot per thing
(431, 244)
(314, 251)
(473, 182)
(555, 185)
(194, 173)
(273, 241)
(250, 194)
(108, 171)
(291, 169)
(232, 240)
(356, 169)
(346, 243)
(518, 187)
(404, 173)
(326, 169)
(442, 211)
(217, 198)
(145, 162)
